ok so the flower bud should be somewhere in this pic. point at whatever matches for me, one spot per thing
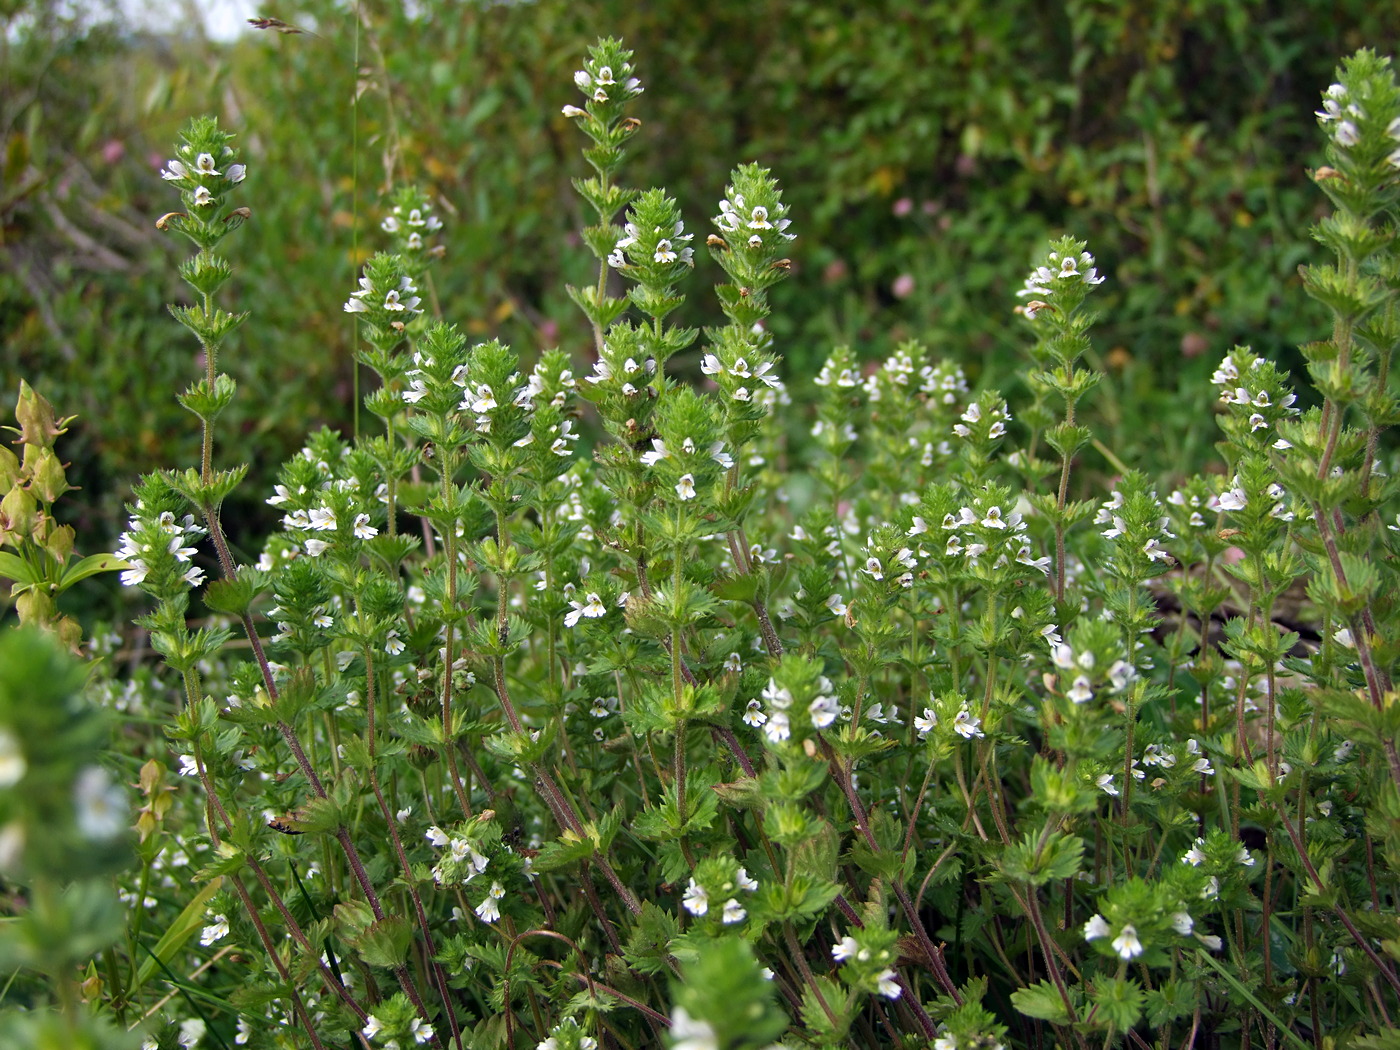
(17, 513)
(36, 607)
(47, 479)
(36, 419)
(9, 469)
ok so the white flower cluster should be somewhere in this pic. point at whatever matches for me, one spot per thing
(848, 947)
(416, 222)
(965, 723)
(672, 248)
(1042, 279)
(775, 720)
(1120, 675)
(1152, 546)
(598, 86)
(421, 1031)
(144, 540)
(204, 167)
(697, 899)
(996, 427)
(943, 381)
(975, 532)
(1339, 117)
(400, 299)
(735, 216)
(631, 371)
(740, 369)
(1235, 498)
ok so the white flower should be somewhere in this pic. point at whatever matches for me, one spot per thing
(192, 1030)
(754, 715)
(1195, 856)
(1126, 944)
(1105, 783)
(363, 529)
(488, 910)
(1096, 927)
(202, 196)
(12, 764)
(420, 1030)
(685, 488)
(1182, 923)
(437, 836)
(394, 644)
(925, 722)
(886, 984)
(1244, 858)
(217, 930)
(823, 711)
(204, 165)
(696, 900)
(836, 605)
(746, 882)
(966, 725)
(592, 607)
(778, 727)
(689, 1033)
(1081, 693)
(315, 548)
(174, 171)
(372, 1028)
(1233, 499)
(844, 949)
(733, 912)
(101, 805)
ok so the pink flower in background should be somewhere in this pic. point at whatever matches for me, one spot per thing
(903, 286)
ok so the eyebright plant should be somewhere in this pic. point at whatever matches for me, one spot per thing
(594, 703)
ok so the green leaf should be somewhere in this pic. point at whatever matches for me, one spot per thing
(81, 570)
(1041, 1000)
(13, 567)
(1117, 1002)
(177, 934)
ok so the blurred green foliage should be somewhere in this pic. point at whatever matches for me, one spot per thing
(926, 149)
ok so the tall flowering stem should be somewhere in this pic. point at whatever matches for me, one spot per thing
(607, 85)
(1329, 458)
(1055, 293)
